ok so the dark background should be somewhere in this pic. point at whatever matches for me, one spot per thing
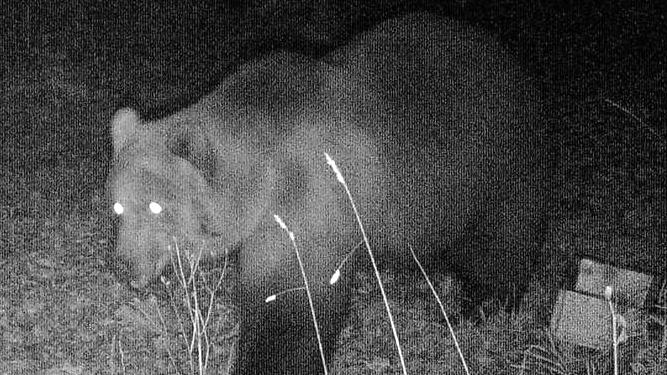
(66, 67)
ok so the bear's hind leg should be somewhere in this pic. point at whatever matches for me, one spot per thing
(514, 246)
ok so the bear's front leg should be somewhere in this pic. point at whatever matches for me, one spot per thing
(278, 337)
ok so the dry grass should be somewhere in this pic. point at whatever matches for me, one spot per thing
(62, 311)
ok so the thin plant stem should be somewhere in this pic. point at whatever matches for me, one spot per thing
(339, 177)
(442, 309)
(305, 282)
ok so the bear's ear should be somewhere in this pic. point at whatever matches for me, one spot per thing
(123, 126)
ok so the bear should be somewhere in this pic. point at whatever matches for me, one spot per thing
(435, 129)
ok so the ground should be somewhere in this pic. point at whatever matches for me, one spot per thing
(63, 312)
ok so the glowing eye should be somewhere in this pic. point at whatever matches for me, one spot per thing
(155, 207)
(118, 208)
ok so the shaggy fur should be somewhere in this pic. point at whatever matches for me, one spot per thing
(430, 122)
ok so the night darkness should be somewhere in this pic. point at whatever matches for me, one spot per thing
(65, 303)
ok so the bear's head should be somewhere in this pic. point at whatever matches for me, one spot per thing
(161, 200)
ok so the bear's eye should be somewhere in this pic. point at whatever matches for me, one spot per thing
(155, 208)
(118, 208)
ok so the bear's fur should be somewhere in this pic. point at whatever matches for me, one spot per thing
(434, 129)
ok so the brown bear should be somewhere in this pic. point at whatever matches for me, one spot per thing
(432, 124)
